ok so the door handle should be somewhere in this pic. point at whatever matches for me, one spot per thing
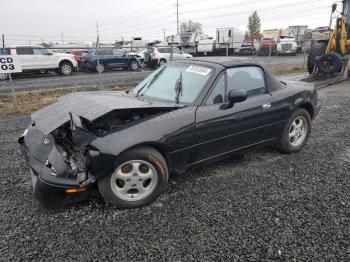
(266, 106)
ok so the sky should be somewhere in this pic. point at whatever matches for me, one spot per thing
(33, 21)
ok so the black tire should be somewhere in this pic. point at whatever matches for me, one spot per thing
(65, 69)
(147, 155)
(317, 49)
(330, 63)
(4, 76)
(285, 145)
(133, 65)
(162, 61)
(100, 68)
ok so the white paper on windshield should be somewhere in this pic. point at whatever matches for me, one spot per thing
(198, 70)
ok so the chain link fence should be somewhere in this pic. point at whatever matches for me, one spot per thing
(49, 72)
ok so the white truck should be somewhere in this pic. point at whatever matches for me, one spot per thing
(229, 40)
(136, 43)
(39, 59)
(188, 41)
(206, 46)
(299, 32)
(286, 45)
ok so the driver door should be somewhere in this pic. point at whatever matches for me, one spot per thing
(43, 58)
(248, 123)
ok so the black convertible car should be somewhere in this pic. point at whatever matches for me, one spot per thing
(125, 144)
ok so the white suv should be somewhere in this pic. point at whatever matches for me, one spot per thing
(162, 54)
(37, 58)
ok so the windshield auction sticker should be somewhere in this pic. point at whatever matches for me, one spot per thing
(198, 70)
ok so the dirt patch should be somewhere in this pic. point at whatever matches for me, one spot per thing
(283, 69)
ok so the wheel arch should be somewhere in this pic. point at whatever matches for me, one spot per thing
(309, 108)
(161, 148)
(65, 61)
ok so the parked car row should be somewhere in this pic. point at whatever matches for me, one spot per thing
(40, 60)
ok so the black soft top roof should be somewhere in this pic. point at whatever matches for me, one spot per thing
(224, 61)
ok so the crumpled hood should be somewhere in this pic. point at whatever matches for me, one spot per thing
(90, 105)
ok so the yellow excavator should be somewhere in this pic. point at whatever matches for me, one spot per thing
(330, 50)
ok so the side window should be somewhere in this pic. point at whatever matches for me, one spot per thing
(24, 51)
(5, 51)
(217, 95)
(104, 52)
(40, 51)
(249, 78)
(117, 52)
(177, 51)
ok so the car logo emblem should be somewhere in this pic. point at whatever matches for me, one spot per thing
(46, 141)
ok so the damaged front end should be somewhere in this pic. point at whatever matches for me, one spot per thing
(64, 164)
(58, 162)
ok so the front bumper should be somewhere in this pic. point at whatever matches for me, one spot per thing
(291, 51)
(51, 178)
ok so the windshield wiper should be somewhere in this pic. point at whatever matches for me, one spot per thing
(148, 84)
(178, 89)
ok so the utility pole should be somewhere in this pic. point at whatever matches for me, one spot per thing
(164, 32)
(3, 40)
(177, 16)
(98, 35)
(62, 38)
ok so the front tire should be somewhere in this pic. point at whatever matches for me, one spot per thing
(134, 65)
(65, 69)
(140, 177)
(296, 132)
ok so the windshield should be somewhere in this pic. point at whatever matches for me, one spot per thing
(161, 84)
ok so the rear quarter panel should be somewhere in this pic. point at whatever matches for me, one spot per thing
(294, 95)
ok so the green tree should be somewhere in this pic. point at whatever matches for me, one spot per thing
(254, 26)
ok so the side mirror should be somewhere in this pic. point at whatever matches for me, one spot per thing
(334, 7)
(234, 96)
(49, 53)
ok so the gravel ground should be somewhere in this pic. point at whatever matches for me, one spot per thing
(256, 207)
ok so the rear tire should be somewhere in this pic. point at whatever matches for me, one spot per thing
(296, 132)
(4, 76)
(99, 68)
(140, 177)
(162, 62)
(317, 49)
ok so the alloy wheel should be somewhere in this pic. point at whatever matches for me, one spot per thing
(66, 69)
(134, 180)
(298, 131)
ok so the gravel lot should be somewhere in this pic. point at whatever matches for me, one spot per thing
(259, 206)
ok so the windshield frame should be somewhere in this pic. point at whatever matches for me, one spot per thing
(197, 100)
